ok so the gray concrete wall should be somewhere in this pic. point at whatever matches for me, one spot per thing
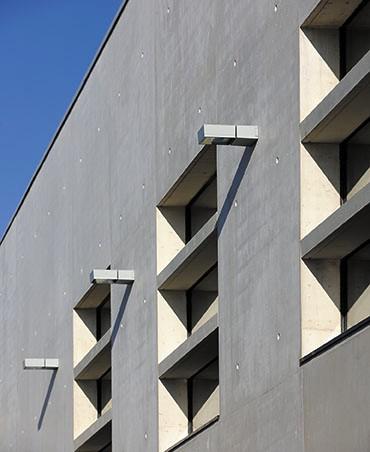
(167, 69)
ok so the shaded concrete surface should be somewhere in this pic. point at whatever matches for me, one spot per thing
(167, 69)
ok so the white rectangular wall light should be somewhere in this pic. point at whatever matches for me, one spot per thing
(231, 135)
(41, 363)
(112, 276)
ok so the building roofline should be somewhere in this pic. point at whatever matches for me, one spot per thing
(66, 115)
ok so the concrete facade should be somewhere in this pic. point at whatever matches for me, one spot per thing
(166, 69)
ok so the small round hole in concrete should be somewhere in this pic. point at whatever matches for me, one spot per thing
(170, 151)
(278, 337)
(277, 160)
(235, 203)
(235, 63)
(142, 55)
(275, 7)
(200, 110)
(145, 436)
(237, 366)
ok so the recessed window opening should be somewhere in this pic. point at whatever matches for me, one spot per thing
(355, 162)
(201, 208)
(355, 286)
(103, 320)
(355, 38)
(203, 396)
(202, 300)
(104, 392)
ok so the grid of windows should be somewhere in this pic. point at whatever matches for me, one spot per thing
(335, 172)
(188, 303)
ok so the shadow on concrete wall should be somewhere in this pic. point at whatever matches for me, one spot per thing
(47, 398)
(120, 313)
(235, 184)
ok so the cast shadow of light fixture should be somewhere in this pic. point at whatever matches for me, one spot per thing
(239, 174)
(120, 313)
(47, 398)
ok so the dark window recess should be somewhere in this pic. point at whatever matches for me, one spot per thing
(355, 37)
(107, 448)
(201, 208)
(355, 286)
(103, 320)
(104, 392)
(355, 162)
(202, 300)
(203, 399)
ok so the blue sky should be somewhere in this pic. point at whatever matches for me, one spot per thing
(46, 47)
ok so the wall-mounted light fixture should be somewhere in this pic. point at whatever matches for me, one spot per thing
(41, 363)
(112, 276)
(231, 135)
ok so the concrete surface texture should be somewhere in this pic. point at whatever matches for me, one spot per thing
(168, 68)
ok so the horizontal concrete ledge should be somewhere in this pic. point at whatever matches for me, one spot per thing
(97, 436)
(193, 434)
(198, 350)
(96, 362)
(343, 110)
(197, 256)
(93, 297)
(329, 14)
(342, 232)
(193, 179)
(364, 324)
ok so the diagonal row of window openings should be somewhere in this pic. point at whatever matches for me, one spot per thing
(92, 364)
(355, 162)
(187, 256)
(335, 170)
